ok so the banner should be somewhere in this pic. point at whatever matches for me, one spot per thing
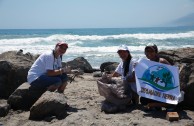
(157, 81)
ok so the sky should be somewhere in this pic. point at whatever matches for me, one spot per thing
(45, 14)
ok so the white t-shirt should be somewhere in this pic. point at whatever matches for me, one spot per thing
(120, 70)
(44, 62)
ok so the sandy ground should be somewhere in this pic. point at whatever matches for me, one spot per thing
(85, 110)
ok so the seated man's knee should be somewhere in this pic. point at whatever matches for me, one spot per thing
(64, 77)
(52, 88)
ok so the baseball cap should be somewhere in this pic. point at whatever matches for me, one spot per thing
(152, 46)
(62, 44)
(123, 47)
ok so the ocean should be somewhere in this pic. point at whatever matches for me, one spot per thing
(96, 45)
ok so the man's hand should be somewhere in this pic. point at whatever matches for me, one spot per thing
(106, 76)
(77, 72)
(66, 69)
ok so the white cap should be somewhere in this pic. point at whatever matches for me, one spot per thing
(152, 46)
(123, 47)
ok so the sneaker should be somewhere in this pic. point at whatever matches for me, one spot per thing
(60, 91)
(147, 108)
(135, 98)
(170, 109)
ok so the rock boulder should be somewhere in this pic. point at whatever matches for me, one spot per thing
(49, 104)
(24, 97)
(14, 67)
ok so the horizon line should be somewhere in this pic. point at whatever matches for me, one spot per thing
(91, 28)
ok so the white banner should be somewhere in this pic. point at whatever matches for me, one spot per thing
(157, 81)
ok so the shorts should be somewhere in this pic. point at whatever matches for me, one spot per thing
(45, 81)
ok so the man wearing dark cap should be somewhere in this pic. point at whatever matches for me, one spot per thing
(151, 52)
(47, 72)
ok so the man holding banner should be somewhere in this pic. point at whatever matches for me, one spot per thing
(157, 83)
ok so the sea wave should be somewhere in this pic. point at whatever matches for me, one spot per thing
(72, 38)
(162, 36)
(76, 50)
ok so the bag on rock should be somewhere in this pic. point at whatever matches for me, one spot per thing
(113, 91)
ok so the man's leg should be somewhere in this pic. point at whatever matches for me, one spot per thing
(47, 82)
(62, 87)
(52, 88)
(64, 79)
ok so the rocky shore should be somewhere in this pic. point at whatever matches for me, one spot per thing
(81, 103)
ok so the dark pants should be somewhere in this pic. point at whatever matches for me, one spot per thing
(45, 81)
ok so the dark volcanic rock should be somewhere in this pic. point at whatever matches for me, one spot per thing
(184, 59)
(49, 104)
(108, 66)
(14, 67)
(4, 108)
(24, 97)
(80, 63)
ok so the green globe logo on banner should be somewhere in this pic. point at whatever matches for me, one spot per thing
(159, 77)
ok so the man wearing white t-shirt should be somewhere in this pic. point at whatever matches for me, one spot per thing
(47, 71)
(126, 71)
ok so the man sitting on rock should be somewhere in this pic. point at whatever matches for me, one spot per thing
(47, 71)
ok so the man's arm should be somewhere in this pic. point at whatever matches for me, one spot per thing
(115, 74)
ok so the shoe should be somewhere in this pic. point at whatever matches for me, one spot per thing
(135, 98)
(147, 108)
(170, 109)
(61, 92)
(158, 108)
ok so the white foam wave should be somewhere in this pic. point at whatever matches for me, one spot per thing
(75, 43)
(123, 36)
(26, 48)
(101, 49)
(164, 36)
(37, 49)
(78, 38)
(95, 55)
(77, 50)
(20, 41)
